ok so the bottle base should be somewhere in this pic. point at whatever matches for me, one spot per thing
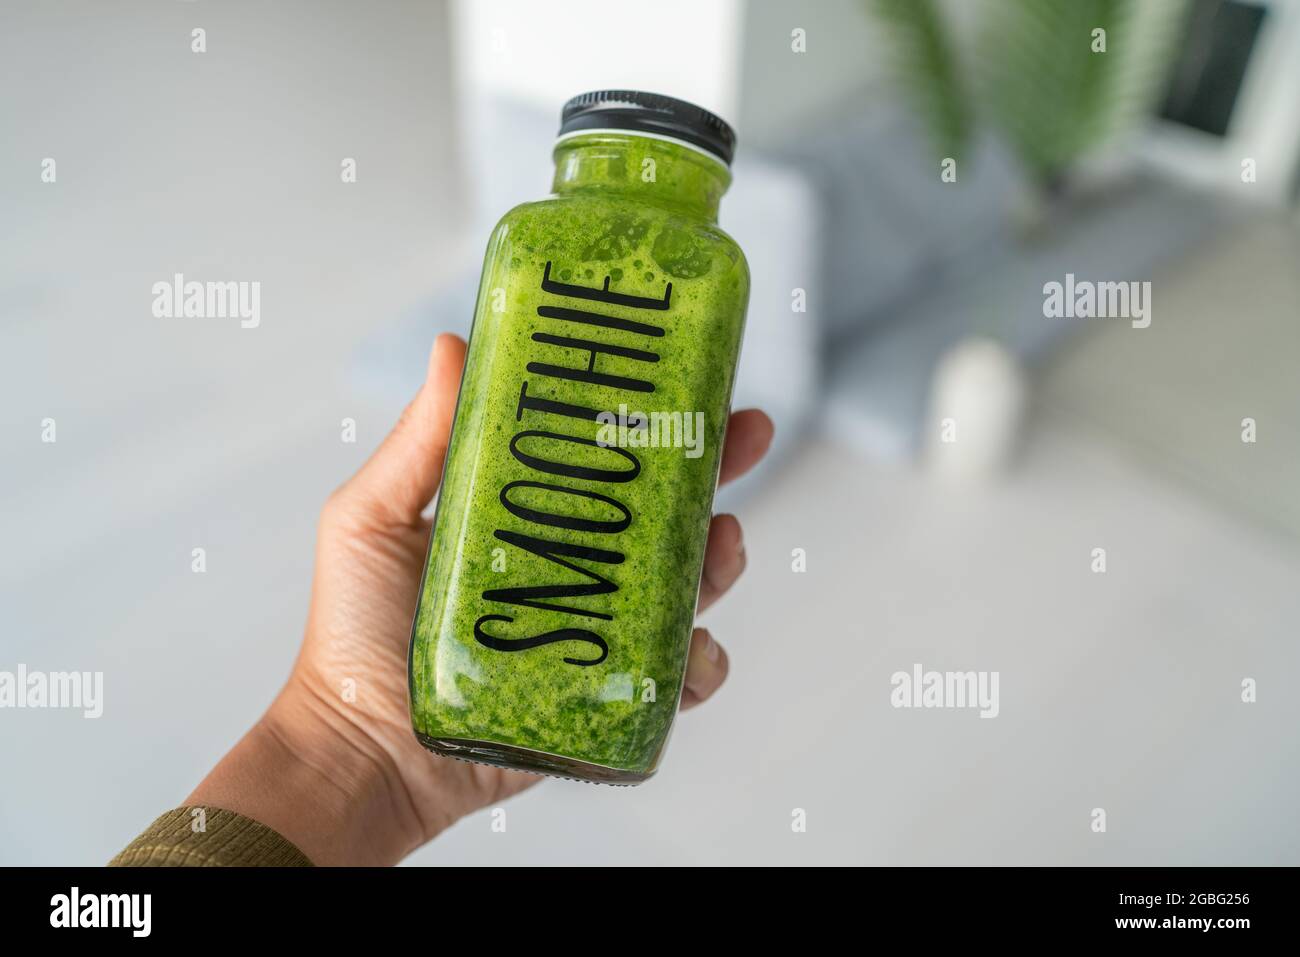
(534, 762)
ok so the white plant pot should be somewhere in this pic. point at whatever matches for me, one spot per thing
(977, 402)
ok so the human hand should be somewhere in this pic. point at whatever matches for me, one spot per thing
(333, 766)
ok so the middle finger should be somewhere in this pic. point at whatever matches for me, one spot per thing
(724, 559)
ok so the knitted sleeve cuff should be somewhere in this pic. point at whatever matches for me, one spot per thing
(208, 837)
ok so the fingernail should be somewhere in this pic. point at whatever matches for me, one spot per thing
(711, 648)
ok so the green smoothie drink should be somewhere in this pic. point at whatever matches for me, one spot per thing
(558, 598)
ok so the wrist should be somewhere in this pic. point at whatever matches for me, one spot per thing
(308, 773)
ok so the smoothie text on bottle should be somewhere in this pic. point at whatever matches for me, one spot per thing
(606, 365)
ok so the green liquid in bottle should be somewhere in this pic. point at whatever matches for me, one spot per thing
(558, 599)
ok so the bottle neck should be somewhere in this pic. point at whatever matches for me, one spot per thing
(650, 170)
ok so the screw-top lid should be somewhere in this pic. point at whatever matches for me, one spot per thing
(652, 113)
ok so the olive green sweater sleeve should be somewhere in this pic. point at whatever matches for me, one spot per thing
(208, 837)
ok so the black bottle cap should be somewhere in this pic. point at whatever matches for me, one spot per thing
(651, 113)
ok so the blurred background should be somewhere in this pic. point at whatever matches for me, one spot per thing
(910, 175)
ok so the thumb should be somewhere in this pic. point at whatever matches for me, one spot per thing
(401, 477)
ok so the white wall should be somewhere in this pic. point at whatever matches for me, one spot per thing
(545, 53)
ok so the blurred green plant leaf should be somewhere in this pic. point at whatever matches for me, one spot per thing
(927, 67)
(1031, 72)
(1041, 82)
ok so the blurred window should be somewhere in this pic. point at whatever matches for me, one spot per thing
(1218, 44)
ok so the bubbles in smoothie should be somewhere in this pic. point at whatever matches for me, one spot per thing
(618, 237)
(680, 252)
